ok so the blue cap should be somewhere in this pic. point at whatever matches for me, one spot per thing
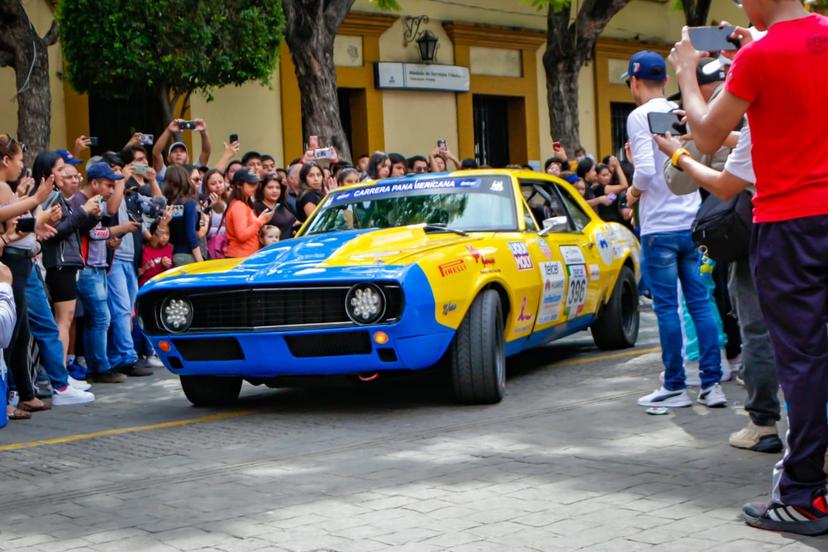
(646, 65)
(102, 170)
(68, 157)
(572, 178)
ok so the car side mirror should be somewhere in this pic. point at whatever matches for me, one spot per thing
(554, 225)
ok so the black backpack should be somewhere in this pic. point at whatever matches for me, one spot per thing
(724, 227)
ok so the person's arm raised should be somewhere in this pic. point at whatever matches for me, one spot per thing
(711, 125)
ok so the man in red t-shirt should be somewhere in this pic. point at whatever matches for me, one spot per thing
(781, 82)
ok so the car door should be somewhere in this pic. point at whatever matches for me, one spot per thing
(566, 257)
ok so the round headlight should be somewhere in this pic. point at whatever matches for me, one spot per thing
(365, 303)
(176, 314)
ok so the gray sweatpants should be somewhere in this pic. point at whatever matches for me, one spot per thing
(759, 370)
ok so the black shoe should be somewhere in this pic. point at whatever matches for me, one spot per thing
(134, 371)
(106, 377)
(810, 521)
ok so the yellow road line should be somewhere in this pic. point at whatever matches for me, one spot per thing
(611, 356)
(240, 413)
(122, 430)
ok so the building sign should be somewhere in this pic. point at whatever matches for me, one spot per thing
(416, 76)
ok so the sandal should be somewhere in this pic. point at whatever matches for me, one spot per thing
(17, 414)
(34, 405)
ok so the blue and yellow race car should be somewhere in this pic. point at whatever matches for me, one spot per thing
(458, 270)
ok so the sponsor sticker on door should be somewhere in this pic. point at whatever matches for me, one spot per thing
(521, 254)
(572, 254)
(554, 284)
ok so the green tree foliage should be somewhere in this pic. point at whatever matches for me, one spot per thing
(117, 48)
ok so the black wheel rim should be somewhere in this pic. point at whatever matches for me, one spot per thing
(629, 309)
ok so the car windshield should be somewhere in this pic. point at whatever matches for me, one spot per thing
(461, 203)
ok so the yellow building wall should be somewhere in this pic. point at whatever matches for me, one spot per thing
(414, 121)
(253, 111)
(41, 16)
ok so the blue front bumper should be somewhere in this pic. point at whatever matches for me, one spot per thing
(415, 342)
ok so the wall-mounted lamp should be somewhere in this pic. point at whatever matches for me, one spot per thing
(426, 40)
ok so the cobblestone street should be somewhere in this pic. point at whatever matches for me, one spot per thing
(568, 461)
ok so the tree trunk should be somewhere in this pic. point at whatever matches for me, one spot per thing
(569, 45)
(695, 12)
(310, 32)
(24, 50)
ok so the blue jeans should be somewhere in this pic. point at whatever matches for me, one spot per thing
(45, 331)
(668, 258)
(123, 289)
(92, 292)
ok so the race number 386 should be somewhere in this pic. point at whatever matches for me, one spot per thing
(577, 289)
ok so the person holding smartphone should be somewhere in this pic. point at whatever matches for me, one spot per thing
(241, 221)
(183, 199)
(271, 198)
(669, 255)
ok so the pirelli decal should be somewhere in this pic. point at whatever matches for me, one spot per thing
(454, 267)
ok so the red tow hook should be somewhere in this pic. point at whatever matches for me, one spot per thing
(370, 377)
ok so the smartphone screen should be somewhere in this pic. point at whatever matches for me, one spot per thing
(662, 123)
(712, 39)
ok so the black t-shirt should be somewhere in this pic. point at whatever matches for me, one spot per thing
(282, 218)
(608, 213)
(310, 196)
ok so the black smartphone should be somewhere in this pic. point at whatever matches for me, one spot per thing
(187, 125)
(93, 141)
(662, 123)
(713, 39)
(233, 138)
(26, 224)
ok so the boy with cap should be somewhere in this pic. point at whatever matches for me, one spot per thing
(780, 83)
(668, 254)
(177, 154)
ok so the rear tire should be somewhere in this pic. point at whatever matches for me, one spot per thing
(477, 355)
(617, 324)
(211, 390)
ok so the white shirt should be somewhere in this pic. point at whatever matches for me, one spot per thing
(739, 163)
(8, 317)
(659, 210)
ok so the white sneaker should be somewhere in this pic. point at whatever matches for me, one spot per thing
(666, 398)
(71, 395)
(713, 396)
(79, 385)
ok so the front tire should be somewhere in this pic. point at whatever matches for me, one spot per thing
(617, 325)
(211, 390)
(477, 355)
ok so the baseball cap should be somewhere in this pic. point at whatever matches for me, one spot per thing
(647, 65)
(102, 170)
(177, 145)
(245, 176)
(710, 70)
(572, 178)
(92, 160)
(68, 157)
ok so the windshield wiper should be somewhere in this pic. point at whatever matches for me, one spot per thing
(442, 228)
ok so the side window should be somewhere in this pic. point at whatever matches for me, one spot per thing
(543, 202)
(577, 216)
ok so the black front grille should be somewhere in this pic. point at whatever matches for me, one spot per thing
(214, 348)
(259, 308)
(266, 308)
(335, 344)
